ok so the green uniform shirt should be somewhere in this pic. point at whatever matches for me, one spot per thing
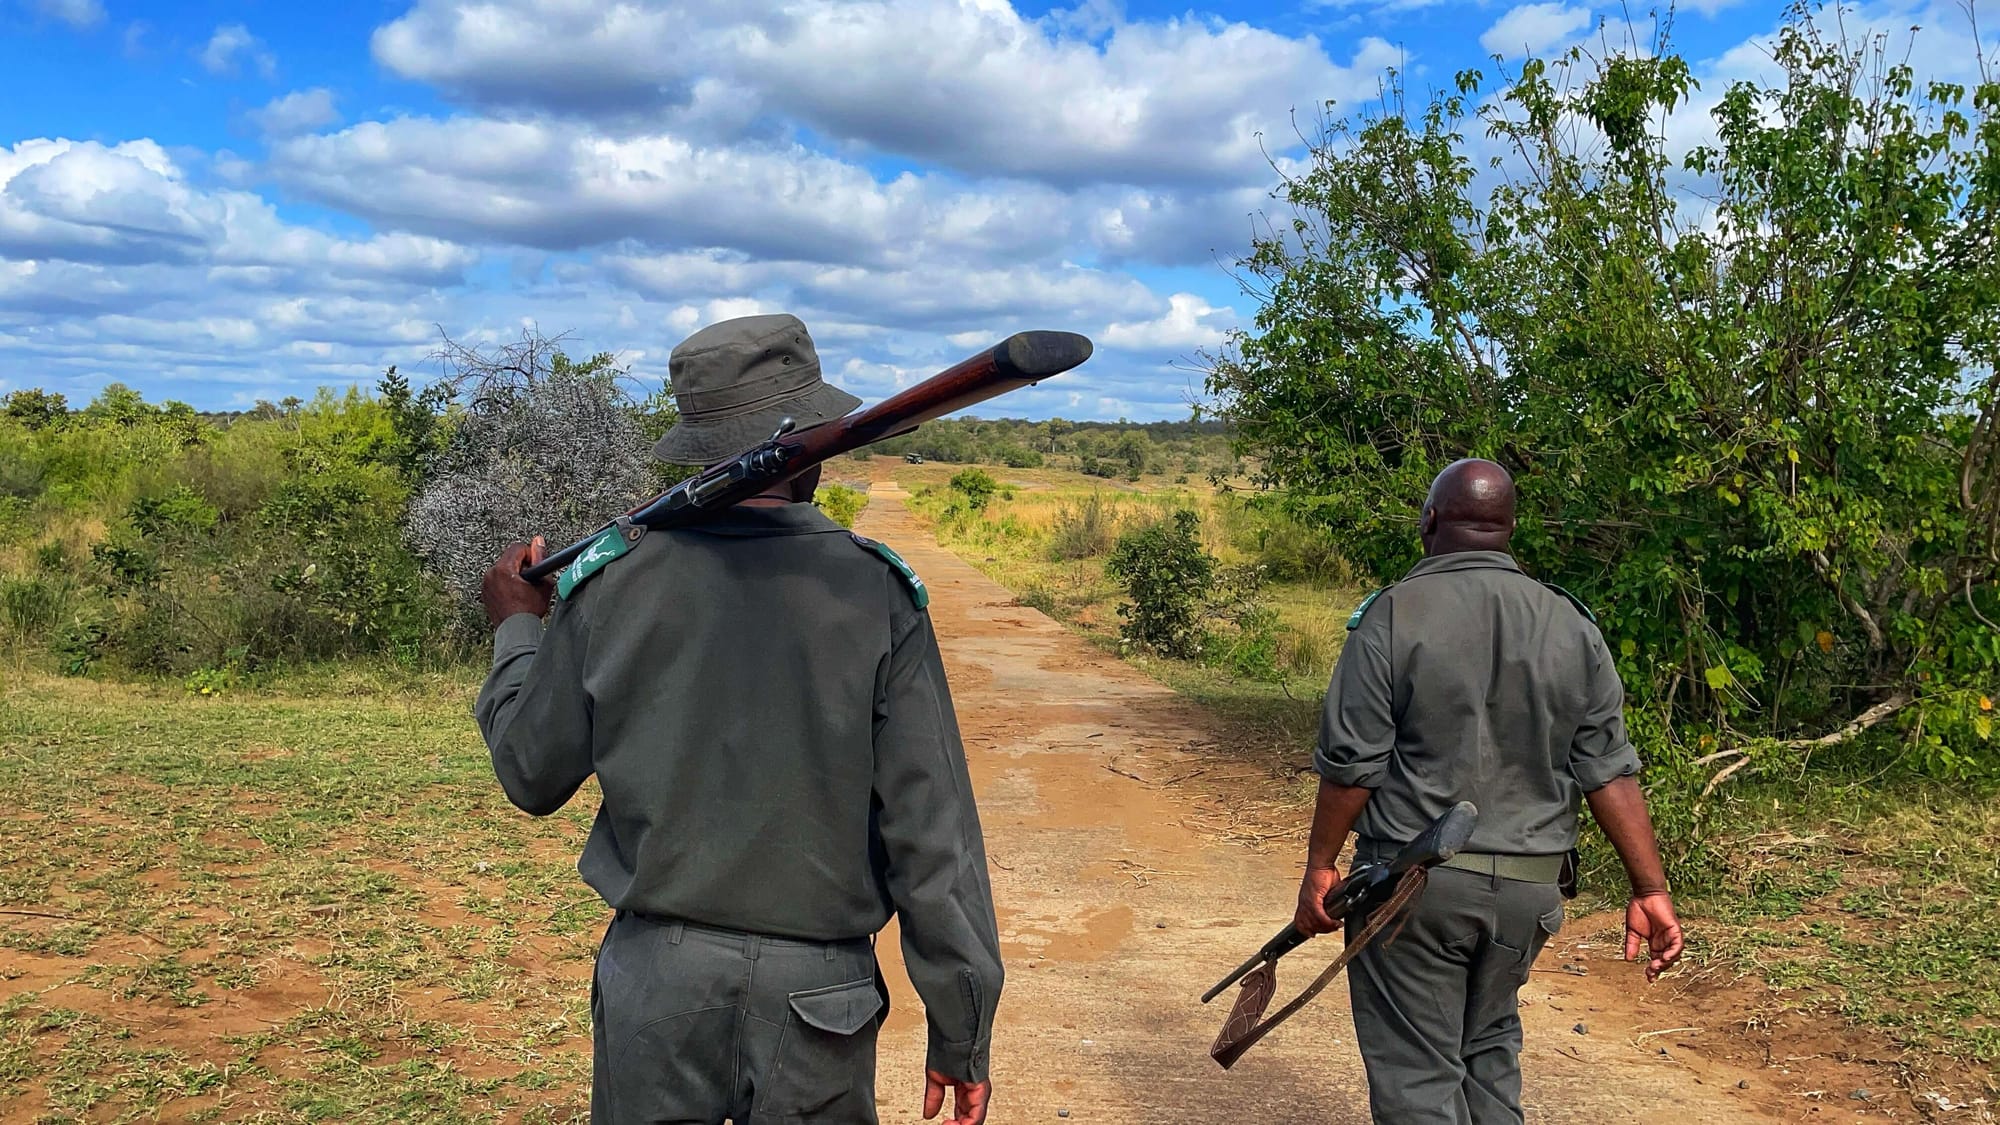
(763, 703)
(1470, 681)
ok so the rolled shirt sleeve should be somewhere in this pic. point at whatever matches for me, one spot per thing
(936, 867)
(533, 711)
(1357, 732)
(1601, 752)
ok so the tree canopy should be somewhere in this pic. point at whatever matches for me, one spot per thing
(1748, 390)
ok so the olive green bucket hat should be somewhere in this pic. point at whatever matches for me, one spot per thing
(736, 380)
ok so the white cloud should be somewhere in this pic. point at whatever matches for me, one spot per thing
(1189, 324)
(230, 41)
(84, 202)
(560, 186)
(298, 112)
(79, 14)
(1069, 99)
(1532, 28)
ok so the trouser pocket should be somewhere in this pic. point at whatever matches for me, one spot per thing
(826, 1050)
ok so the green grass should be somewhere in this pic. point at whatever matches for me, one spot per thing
(1873, 900)
(300, 904)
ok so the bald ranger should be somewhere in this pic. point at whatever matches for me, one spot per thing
(1468, 680)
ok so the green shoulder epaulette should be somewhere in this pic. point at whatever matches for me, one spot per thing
(611, 544)
(916, 585)
(1354, 619)
(1575, 601)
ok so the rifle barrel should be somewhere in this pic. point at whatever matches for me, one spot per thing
(1013, 363)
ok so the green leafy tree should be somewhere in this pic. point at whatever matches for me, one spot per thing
(1749, 395)
(37, 409)
(976, 486)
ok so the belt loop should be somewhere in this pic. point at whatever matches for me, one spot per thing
(753, 946)
(674, 932)
(830, 949)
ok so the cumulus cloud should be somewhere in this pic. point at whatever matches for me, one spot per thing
(1532, 28)
(231, 42)
(1071, 98)
(85, 202)
(79, 14)
(1189, 324)
(301, 111)
(560, 186)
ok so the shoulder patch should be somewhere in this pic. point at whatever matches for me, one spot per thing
(1575, 601)
(895, 561)
(1354, 619)
(611, 543)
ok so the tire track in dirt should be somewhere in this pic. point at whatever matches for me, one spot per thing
(1117, 911)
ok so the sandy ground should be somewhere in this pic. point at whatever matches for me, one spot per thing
(1125, 889)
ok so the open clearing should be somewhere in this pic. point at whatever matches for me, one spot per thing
(317, 906)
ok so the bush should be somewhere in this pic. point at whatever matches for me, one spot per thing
(1082, 531)
(841, 504)
(1167, 579)
(976, 486)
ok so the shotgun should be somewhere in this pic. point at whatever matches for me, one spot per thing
(1375, 893)
(1017, 361)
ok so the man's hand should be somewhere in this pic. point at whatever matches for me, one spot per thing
(1311, 919)
(1650, 921)
(505, 593)
(968, 1103)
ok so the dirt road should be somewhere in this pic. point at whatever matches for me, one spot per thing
(1123, 894)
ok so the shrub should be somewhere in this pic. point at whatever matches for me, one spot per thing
(840, 503)
(1167, 579)
(976, 486)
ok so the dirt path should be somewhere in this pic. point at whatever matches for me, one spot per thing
(1120, 902)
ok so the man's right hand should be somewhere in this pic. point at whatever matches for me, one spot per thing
(1650, 921)
(505, 592)
(1312, 919)
(968, 1103)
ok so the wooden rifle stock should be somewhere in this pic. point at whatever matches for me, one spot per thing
(1017, 361)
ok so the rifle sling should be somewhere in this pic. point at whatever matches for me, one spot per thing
(1226, 1051)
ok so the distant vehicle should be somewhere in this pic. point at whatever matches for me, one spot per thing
(913, 458)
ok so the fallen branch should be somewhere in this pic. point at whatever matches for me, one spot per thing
(1866, 719)
(1719, 778)
(1863, 721)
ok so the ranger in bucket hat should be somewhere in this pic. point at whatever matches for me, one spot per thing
(736, 381)
(762, 701)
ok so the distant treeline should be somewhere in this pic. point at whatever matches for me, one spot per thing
(1124, 450)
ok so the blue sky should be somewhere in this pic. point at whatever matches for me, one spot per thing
(221, 202)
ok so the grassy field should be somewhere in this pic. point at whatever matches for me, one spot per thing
(313, 906)
(1047, 536)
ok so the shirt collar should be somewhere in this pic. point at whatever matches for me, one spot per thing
(785, 519)
(1464, 560)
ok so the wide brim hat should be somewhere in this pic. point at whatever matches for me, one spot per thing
(736, 381)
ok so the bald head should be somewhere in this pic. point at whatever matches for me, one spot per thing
(1470, 508)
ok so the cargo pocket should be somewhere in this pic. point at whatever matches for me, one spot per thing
(826, 1050)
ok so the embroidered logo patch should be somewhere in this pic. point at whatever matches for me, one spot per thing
(607, 546)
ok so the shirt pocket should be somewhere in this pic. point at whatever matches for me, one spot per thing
(826, 1049)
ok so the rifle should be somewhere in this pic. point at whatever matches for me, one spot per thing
(1017, 361)
(1378, 893)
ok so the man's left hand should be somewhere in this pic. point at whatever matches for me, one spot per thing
(969, 1099)
(505, 593)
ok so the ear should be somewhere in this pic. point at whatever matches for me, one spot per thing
(1428, 525)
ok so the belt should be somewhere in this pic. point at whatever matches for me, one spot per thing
(1521, 868)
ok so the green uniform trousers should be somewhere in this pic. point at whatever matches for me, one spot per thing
(694, 1025)
(1436, 1011)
